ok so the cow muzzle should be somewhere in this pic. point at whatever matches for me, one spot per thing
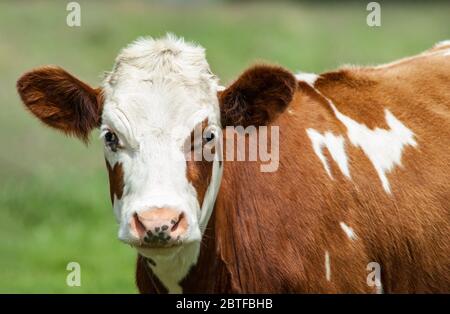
(159, 227)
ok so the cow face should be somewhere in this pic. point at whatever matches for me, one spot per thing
(156, 110)
(160, 103)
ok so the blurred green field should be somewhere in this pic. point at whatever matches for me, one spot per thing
(54, 202)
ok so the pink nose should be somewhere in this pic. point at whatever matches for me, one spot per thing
(159, 226)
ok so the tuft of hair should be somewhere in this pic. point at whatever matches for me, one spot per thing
(169, 57)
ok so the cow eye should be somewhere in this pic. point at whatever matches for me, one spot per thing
(111, 140)
(208, 136)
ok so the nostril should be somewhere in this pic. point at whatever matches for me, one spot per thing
(138, 226)
(176, 224)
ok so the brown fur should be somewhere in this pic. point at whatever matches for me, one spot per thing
(116, 183)
(61, 101)
(147, 282)
(199, 172)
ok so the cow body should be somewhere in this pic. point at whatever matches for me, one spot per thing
(359, 200)
(300, 229)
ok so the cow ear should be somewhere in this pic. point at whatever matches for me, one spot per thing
(61, 101)
(259, 95)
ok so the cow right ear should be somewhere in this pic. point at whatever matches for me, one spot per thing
(61, 101)
(257, 97)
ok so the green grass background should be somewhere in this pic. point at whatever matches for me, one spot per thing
(54, 202)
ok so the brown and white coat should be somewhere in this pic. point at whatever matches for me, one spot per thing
(363, 173)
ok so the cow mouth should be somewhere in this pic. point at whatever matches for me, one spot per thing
(159, 246)
(150, 251)
(143, 245)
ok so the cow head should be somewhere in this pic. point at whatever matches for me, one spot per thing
(148, 110)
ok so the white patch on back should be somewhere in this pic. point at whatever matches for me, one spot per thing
(383, 147)
(309, 78)
(327, 266)
(348, 231)
(336, 147)
(442, 43)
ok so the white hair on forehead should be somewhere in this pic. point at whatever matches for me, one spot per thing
(161, 83)
(169, 58)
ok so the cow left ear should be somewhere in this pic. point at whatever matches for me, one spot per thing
(257, 97)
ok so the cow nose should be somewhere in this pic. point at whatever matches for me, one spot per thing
(159, 226)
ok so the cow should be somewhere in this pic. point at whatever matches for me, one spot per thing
(359, 201)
